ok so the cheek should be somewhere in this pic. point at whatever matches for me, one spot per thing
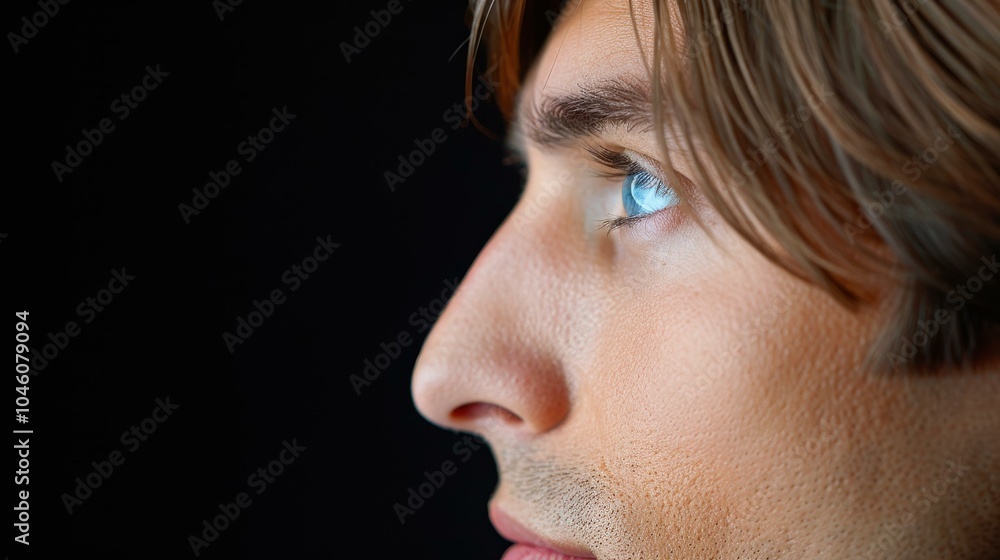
(715, 373)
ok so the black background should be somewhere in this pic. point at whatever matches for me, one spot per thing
(162, 335)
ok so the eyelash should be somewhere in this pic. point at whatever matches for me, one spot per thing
(623, 166)
(618, 161)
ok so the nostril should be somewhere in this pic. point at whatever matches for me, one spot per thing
(472, 412)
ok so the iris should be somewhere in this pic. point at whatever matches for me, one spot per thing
(643, 193)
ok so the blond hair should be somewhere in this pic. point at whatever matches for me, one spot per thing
(862, 137)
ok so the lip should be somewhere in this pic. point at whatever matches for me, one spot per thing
(528, 545)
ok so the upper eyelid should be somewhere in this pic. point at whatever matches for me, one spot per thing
(516, 144)
(628, 162)
(624, 161)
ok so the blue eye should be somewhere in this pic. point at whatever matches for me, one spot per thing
(643, 193)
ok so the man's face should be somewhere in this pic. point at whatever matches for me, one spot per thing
(661, 390)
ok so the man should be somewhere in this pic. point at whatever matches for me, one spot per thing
(747, 304)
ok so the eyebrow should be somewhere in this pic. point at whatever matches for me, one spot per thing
(558, 121)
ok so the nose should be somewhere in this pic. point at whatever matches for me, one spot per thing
(492, 361)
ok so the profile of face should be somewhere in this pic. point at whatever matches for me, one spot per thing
(654, 387)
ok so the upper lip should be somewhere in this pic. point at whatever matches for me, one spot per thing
(512, 530)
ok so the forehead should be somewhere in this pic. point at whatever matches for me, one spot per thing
(595, 45)
(595, 41)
